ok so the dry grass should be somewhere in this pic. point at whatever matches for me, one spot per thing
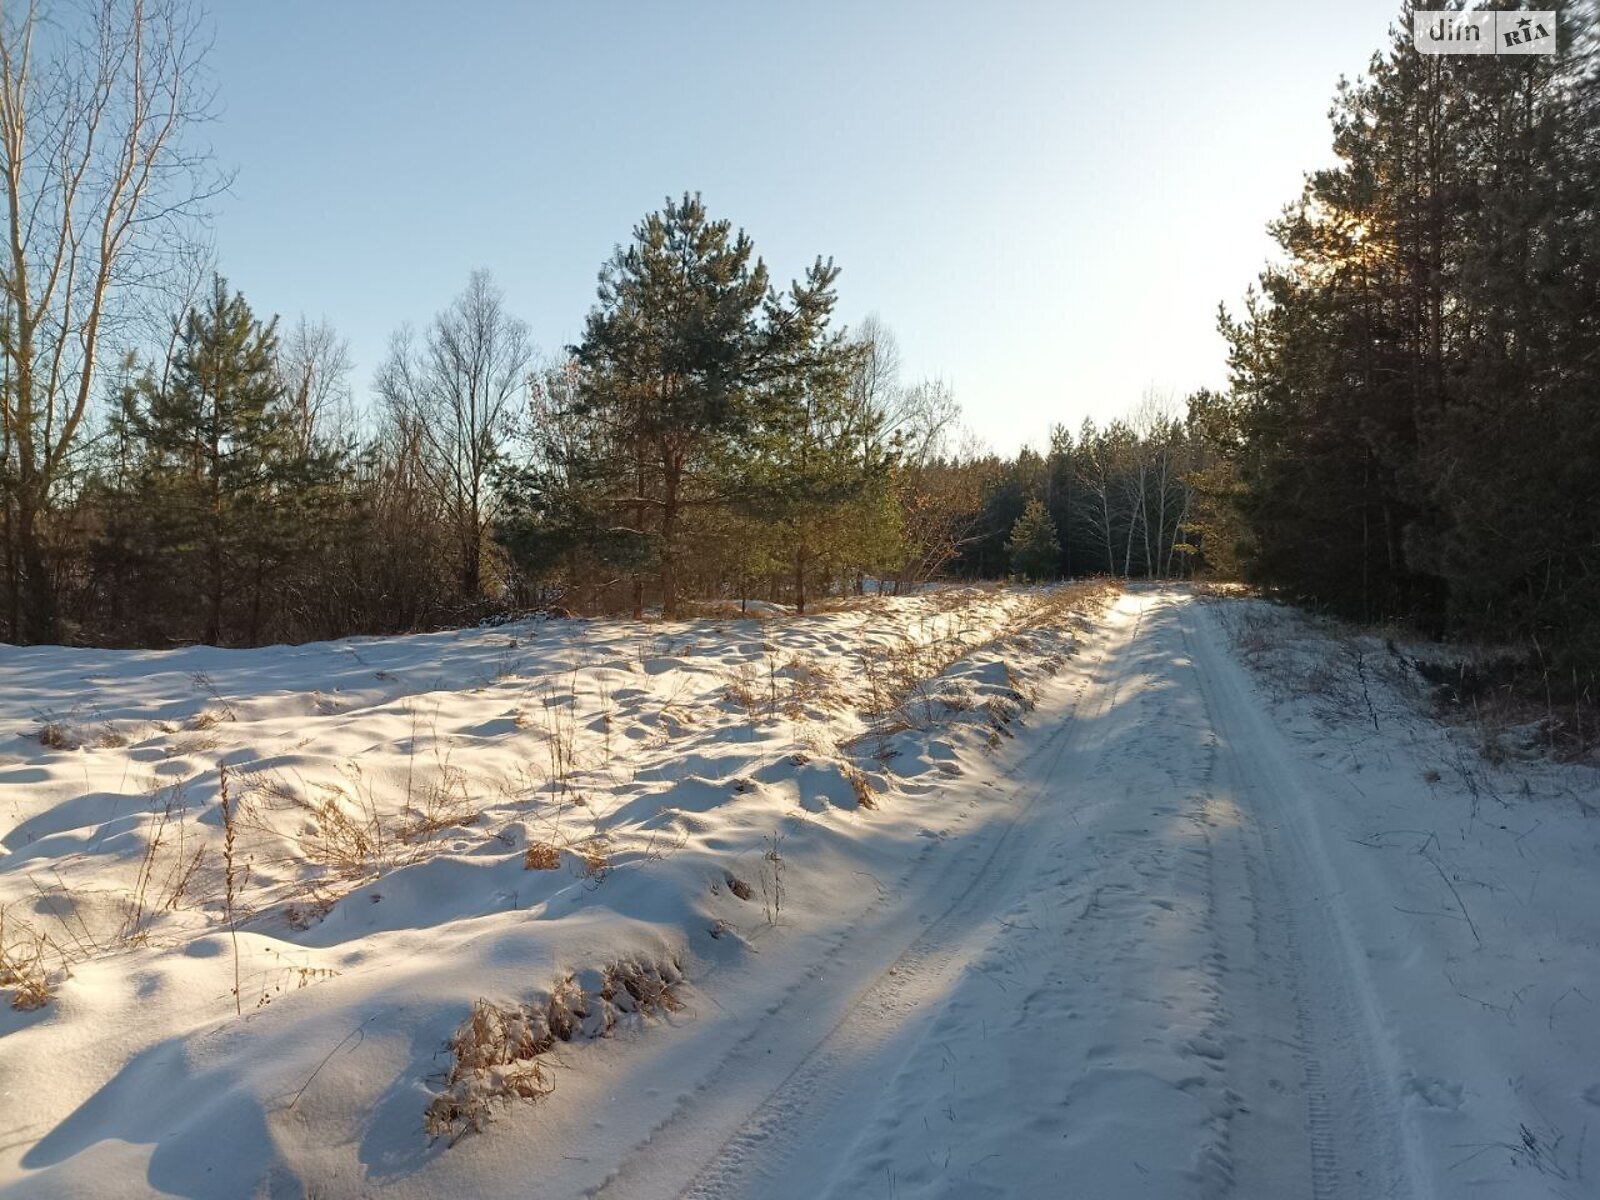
(169, 863)
(812, 686)
(902, 678)
(866, 794)
(25, 956)
(798, 687)
(58, 735)
(294, 979)
(79, 728)
(772, 869)
(541, 856)
(347, 834)
(1256, 633)
(553, 720)
(1072, 605)
(744, 692)
(595, 855)
(441, 803)
(363, 827)
(500, 1052)
(639, 986)
(303, 914)
(496, 1055)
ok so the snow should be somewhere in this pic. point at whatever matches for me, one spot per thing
(1229, 914)
(388, 792)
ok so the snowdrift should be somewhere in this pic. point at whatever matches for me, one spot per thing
(294, 920)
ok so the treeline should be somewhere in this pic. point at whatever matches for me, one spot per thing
(711, 438)
(1414, 415)
(1145, 497)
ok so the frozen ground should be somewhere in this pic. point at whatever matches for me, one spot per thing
(780, 908)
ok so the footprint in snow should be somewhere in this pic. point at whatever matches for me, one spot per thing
(1433, 1092)
(1205, 1047)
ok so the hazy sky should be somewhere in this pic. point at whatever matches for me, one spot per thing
(1044, 201)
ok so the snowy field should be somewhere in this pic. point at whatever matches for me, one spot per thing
(977, 893)
(587, 824)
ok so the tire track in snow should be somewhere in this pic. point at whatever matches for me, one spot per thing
(1254, 966)
(767, 1143)
(1359, 1143)
(1295, 1091)
(751, 1109)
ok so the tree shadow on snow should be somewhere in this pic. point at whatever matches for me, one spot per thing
(215, 1143)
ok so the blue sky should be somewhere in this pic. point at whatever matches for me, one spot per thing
(1044, 201)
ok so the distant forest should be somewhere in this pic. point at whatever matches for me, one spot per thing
(1411, 430)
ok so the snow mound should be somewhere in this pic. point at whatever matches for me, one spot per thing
(270, 917)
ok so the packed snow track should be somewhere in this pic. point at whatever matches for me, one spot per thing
(1133, 985)
(1189, 934)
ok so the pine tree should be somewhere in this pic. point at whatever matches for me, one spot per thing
(687, 345)
(1412, 389)
(1035, 552)
(223, 504)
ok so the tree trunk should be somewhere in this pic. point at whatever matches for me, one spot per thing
(800, 576)
(471, 570)
(638, 524)
(13, 592)
(669, 540)
(41, 621)
(213, 630)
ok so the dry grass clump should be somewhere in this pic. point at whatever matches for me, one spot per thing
(595, 855)
(79, 728)
(956, 696)
(1217, 589)
(443, 804)
(639, 986)
(866, 794)
(591, 858)
(743, 690)
(1072, 604)
(495, 1060)
(1257, 632)
(303, 914)
(1001, 711)
(24, 967)
(347, 838)
(849, 603)
(499, 1052)
(541, 856)
(794, 687)
(362, 827)
(812, 685)
(168, 866)
(58, 735)
(210, 718)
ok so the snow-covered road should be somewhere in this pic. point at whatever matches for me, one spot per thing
(1148, 981)
(1172, 898)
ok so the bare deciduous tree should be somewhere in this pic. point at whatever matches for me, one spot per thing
(314, 364)
(463, 390)
(97, 188)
